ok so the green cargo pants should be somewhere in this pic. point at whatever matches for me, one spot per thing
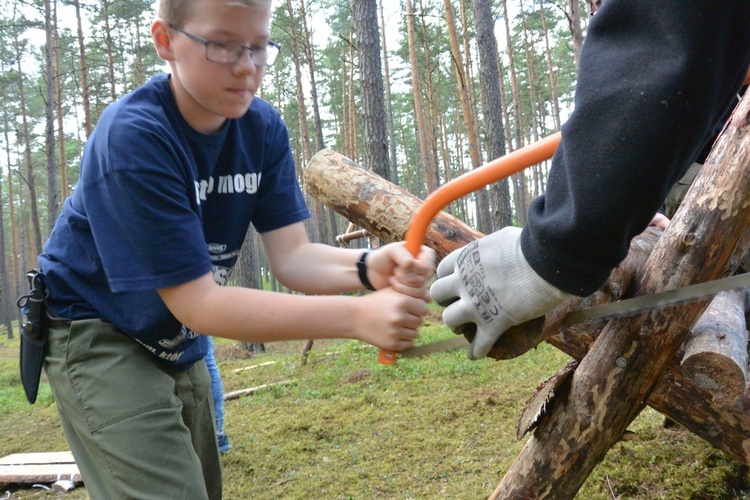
(137, 429)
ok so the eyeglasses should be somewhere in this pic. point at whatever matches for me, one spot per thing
(230, 52)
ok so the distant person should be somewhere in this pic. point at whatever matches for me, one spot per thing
(217, 394)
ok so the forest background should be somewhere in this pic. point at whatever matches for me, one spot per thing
(419, 92)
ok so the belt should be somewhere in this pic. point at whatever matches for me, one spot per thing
(59, 323)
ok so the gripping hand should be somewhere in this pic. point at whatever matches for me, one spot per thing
(489, 283)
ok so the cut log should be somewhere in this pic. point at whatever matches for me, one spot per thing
(716, 351)
(357, 194)
(382, 208)
(29, 468)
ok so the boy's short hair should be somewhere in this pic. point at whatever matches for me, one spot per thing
(178, 11)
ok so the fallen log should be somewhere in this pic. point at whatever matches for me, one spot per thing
(360, 195)
(716, 350)
(32, 468)
(252, 390)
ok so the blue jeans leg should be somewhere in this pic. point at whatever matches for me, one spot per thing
(217, 388)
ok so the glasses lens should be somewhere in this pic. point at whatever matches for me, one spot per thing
(272, 50)
(230, 53)
(223, 53)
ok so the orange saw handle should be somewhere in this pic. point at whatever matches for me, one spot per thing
(469, 182)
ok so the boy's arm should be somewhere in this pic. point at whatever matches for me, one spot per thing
(322, 269)
(386, 319)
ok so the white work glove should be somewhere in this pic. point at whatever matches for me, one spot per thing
(489, 283)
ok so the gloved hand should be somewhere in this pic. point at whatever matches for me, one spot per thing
(489, 283)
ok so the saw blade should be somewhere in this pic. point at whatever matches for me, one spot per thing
(442, 345)
(643, 303)
(611, 310)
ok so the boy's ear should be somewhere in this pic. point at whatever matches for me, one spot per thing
(162, 40)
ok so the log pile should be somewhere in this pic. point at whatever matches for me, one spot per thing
(629, 362)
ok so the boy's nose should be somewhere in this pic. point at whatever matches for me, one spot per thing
(245, 63)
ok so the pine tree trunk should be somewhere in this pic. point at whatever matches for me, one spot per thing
(576, 32)
(8, 295)
(372, 111)
(489, 77)
(429, 164)
(352, 122)
(310, 55)
(393, 162)
(550, 70)
(14, 237)
(247, 275)
(109, 48)
(519, 179)
(484, 223)
(83, 66)
(59, 111)
(53, 196)
(29, 178)
(301, 106)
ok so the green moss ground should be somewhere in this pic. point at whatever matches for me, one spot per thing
(348, 427)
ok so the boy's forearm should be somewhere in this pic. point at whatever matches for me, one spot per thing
(260, 316)
(320, 269)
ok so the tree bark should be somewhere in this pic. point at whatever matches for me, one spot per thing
(247, 274)
(372, 112)
(377, 205)
(302, 108)
(83, 66)
(53, 197)
(310, 55)
(555, 98)
(393, 161)
(109, 49)
(576, 32)
(492, 109)
(519, 179)
(60, 116)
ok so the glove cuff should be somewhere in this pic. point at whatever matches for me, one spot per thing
(539, 295)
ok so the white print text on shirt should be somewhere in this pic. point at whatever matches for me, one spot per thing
(227, 184)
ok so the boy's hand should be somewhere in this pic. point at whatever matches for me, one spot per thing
(389, 319)
(394, 265)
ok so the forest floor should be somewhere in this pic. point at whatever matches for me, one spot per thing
(347, 427)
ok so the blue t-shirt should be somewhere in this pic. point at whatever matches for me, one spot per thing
(159, 204)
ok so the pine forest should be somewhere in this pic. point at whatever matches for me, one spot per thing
(417, 91)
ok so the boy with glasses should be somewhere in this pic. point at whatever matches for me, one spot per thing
(171, 178)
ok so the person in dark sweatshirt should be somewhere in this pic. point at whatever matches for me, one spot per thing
(655, 79)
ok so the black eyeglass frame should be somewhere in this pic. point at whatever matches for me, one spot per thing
(272, 56)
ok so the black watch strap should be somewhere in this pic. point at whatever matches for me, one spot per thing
(362, 270)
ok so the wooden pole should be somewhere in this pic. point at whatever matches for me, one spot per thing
(716, 351)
